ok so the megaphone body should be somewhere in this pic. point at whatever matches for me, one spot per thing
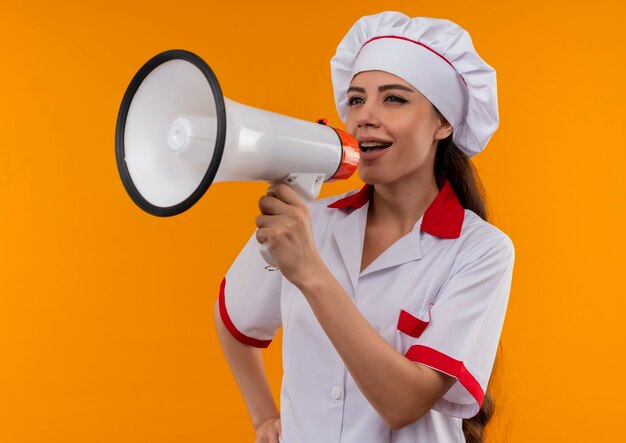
(177, 134)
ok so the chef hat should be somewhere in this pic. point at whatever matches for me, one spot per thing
(435, 56)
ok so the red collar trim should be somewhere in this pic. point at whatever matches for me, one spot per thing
(355, 200)
(443, 218)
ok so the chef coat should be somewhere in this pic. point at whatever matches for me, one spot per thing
(438, 295)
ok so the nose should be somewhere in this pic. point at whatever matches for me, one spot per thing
(367, 115)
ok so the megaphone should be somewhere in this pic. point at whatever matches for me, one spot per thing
(177, 134)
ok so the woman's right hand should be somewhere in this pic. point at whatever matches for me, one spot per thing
(268, 431)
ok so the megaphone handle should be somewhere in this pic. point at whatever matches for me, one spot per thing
(268, 257)
(307, 186)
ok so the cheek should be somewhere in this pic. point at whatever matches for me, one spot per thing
(350, 124)
(414, 128)
(406, 130)
(414, 139)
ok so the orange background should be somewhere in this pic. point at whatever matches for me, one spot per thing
(106, 330)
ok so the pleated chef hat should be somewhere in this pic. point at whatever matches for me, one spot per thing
(437, 57)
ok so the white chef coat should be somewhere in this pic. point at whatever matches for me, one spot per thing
(438, 295)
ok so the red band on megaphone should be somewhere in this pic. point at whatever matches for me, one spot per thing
(351, 155)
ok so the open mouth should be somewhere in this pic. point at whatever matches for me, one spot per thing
(373, 146)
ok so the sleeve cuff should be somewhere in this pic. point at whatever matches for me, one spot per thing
(455, 368)
(228, 323)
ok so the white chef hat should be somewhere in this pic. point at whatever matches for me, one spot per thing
(437, 57)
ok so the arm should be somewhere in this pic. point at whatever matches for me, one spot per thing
(400, 390)
(247, 367)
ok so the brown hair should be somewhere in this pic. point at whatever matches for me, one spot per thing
(455, 165)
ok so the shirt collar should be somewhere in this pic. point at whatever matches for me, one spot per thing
(443, 218)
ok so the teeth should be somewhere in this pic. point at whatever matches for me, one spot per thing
(368, 145)
(373, 144)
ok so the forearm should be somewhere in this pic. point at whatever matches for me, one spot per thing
(400, 390)
(246, 365)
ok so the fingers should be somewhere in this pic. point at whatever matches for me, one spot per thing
(271, 227)
(285, 193)
(269, 432)
(267, 438)
(277, 226)
(262, 234)
(279, 428)
(281, 199)
(272, 205)
(279, 217)
(264, 221)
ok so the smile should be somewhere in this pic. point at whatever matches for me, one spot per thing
(373, 150)
(372, 146)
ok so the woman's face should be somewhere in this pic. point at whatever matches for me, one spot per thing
(397, 128)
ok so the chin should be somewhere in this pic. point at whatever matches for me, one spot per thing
(367, 176)
(372, 178)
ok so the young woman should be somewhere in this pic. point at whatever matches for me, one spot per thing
(391, 298)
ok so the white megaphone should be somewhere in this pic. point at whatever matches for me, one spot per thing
(176, 134)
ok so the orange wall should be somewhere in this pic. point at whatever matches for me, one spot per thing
(106, 331)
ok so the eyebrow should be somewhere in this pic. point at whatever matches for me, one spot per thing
(381, 88)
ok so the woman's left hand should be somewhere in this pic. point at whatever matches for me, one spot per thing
(285, 225)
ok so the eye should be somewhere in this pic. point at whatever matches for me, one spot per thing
(395, 99)
(354, 100)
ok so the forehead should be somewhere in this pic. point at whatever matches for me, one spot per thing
(377, 78)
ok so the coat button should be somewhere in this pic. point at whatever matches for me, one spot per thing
(335, 392)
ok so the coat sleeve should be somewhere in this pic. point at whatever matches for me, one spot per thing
(466, 320)
(249, 298)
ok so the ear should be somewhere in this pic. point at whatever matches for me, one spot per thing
(444, 128)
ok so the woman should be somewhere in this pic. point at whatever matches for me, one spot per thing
(391, 298)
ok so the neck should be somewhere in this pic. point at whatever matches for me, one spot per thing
(400, 205)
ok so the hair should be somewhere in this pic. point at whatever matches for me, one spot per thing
(453, 164)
